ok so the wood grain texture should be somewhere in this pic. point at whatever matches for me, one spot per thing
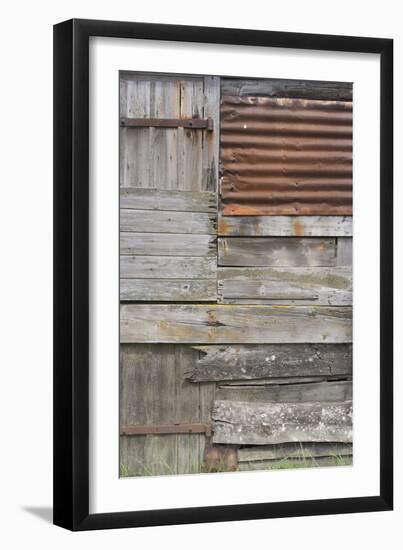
(169, 158)
(344, 251)
(153, 391)
(161, 290)
(211, 144)
(294, 450)
(229, 324)
(190, 143)
(155, 160)
(270, 87)
(294, 462)
(220, 363)
(276, 252)
(300, 285)
(143, 221)
(168, 267)
(243, 423)
(285, 226)
(163, 244)
(288, 393)
(161, 200)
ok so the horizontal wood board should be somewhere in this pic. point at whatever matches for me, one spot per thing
(245, 423)
(162, 290)
(143, 221)
(234, 324)
(254, 362)
(288, 393)
(300, 285)
(285, 226)
(161, 200)
(276, 252)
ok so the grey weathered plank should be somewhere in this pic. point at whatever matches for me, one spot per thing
(190, 143)
(211, 144)
(293, 462)
(168, 267)
(220, 363)
(187, 409)
(274, 381)
(162, 290)
(143, 221)
(294, 450)
(289, 393)
(229, 324)
(164, 244)
(314, 89)
(344, 251)
(243, 423)
(285, 226)
(300, 285)
(147, 392)
(159, 199)
(155, 160)
(152, 391)
(276, 252)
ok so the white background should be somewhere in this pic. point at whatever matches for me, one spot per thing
(26, 224)
(108, 492)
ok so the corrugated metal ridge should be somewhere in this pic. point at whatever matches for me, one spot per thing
(286, 156)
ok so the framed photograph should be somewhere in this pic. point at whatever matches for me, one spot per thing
(223, 259)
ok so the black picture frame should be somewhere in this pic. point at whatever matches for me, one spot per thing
(71, 274)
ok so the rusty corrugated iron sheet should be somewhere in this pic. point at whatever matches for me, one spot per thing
(286, 156)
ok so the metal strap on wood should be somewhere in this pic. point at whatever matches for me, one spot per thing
(191, 123)
(166, 429)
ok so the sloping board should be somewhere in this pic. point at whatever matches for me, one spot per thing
(244, 423)
(276, 252)
(228, 324)
(285, 226)
(299, 285)
(237, 362)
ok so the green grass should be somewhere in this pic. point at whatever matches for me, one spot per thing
(305, 461)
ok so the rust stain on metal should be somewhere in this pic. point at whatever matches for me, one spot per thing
(284, 156)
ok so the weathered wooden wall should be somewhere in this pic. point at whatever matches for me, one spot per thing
(236, 331)
(168, 218)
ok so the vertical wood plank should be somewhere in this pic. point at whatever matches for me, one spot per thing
(344, 251)
(186, 410)
(147, 396)
(190, 142)
(211, 146)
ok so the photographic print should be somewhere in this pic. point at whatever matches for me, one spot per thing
(235, 274)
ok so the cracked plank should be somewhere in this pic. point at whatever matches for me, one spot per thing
(219, 363)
